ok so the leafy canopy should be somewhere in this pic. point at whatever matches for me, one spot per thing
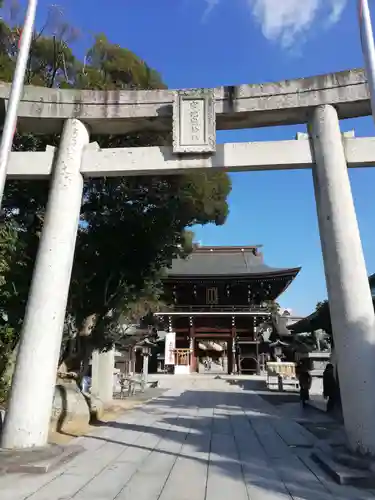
(131, 227)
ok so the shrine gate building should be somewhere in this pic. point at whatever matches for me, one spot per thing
(219, 296)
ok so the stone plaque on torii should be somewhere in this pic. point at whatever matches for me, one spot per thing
(194, 124)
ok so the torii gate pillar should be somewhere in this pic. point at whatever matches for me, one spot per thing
(29, 411)
(350, 301)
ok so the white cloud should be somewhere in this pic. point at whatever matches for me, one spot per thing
(211, 4)
(337, 9)
(286, 21)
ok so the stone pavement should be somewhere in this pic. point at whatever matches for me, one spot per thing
(205, 440)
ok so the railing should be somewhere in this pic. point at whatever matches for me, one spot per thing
(285, 370)
(285, 373)
(182, 357)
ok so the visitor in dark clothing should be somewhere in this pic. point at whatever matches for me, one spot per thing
(330, 387)
(304, 379)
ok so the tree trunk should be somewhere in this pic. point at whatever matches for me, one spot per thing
(68, 358)
(77, 352)
(85, 347)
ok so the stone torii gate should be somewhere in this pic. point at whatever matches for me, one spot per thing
(318, 101)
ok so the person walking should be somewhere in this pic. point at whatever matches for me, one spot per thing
(304, 379)
(330, 388)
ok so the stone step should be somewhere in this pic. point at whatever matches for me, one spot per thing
(343, 474)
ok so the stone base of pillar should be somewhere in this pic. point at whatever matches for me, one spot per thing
(345, 468)
(97, 408)
(37, 460)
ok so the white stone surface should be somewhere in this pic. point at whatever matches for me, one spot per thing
(206, 440)
(29, 411)
(351, 307)
(234, 157)
(194, 124)
(103, 368)
(182, 369)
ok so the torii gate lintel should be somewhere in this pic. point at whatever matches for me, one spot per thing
(161, 160)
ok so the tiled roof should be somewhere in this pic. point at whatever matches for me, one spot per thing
(225, 261)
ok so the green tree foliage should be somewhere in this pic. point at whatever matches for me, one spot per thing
(322, 303)
(12, 281)
(131, 227)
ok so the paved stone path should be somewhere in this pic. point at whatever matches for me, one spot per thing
(206, 440)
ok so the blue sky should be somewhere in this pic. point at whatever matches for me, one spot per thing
(249, 41)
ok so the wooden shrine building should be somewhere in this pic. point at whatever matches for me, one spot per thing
(221, 294)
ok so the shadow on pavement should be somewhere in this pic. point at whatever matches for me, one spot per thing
(237, 434)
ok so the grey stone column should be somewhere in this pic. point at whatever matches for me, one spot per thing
(349, 295)
(29, 412)
(103, 365)
(145, 368)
